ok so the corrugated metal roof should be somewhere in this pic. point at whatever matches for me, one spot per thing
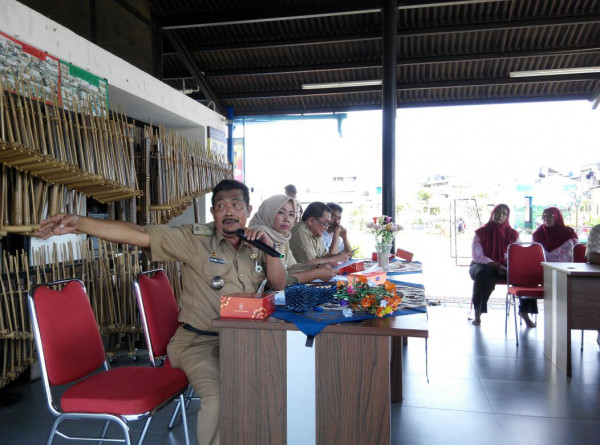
(255, 55)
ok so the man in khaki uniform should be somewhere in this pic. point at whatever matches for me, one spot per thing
(307, 242)
(215, 262)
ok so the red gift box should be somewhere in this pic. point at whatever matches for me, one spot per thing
(404, 254)
(243, 305)
(351, 268)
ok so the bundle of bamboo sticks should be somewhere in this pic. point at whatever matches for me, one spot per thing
(178, 172)
(16, 338)
(26, 200)
(85, 147)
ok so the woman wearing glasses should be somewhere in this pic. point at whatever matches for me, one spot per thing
(489, 257)
(276, 216)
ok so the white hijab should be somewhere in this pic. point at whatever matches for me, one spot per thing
(265, 217)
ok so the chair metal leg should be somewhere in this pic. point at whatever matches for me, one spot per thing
(104, 431)
(174, 416)
(515, 316)
(184, 419)
(144, 431)
(506, 313)
(582, 339)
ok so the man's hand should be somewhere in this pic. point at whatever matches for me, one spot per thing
(58, 224)
(325, 272)
(258, 234)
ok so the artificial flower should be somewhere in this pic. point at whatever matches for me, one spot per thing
(361, 296)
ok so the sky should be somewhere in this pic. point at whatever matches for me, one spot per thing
(480, 141)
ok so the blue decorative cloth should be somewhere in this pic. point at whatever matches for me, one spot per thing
(313, 322)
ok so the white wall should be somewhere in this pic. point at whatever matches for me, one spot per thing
(145, 98)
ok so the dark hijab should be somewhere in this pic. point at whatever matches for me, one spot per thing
(495, 238)
(555, 236)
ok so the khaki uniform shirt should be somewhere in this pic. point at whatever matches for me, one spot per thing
(593, 241)
(305, 245)
(193, 245)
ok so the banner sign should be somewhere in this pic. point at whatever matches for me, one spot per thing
(20, 62)
(217, 143)
(22, 65)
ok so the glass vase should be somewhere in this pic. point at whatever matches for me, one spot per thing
(383, 255)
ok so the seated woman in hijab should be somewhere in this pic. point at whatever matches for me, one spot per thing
(276, 216)
(558, 241)
(489, 257)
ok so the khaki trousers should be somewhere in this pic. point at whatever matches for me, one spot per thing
(198, 357)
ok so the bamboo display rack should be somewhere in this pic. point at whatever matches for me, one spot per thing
(85, 147)
(175, 172)
(108, 278)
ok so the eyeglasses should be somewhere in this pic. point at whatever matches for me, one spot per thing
(326, 225)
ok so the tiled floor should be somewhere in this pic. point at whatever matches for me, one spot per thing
(482, 389)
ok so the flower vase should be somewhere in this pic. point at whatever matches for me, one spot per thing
(383, 255)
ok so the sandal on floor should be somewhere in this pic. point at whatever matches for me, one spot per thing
(476, 323)
(528, 322)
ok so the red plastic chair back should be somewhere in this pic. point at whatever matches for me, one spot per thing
(525, 265)
(158, 310)
(579, 253)
(71, 343)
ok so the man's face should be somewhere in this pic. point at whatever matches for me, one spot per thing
(336, 220)
(318, 226)
(230, 211)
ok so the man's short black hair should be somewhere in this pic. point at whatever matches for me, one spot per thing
(231, 184)
(290, 188)
(315, 209)
(335, 207)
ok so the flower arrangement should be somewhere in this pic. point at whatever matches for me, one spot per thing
(384, 229)
(368, 297)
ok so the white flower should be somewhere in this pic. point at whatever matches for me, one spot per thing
(383, 303)
(371, 283)
(347, 312)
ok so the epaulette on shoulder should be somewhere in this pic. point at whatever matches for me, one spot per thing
(202, 229)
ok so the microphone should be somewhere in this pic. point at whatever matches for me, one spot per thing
(257, 243)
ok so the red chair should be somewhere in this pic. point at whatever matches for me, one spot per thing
(524, 276)
(159, 315)
(70, 351)
(578, 253)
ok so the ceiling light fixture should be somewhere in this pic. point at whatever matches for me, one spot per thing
(350, 84)
(556, 72)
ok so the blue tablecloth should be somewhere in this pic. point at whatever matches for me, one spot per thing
(313, 322)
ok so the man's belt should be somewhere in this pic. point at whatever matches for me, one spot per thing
(191, 328)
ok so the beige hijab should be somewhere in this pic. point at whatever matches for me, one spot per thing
(265, 216)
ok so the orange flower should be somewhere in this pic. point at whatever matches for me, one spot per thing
(365, 302)
(389, 286)
(361, 279)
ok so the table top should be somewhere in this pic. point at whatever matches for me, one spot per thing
(404, 326)
(575, 269)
